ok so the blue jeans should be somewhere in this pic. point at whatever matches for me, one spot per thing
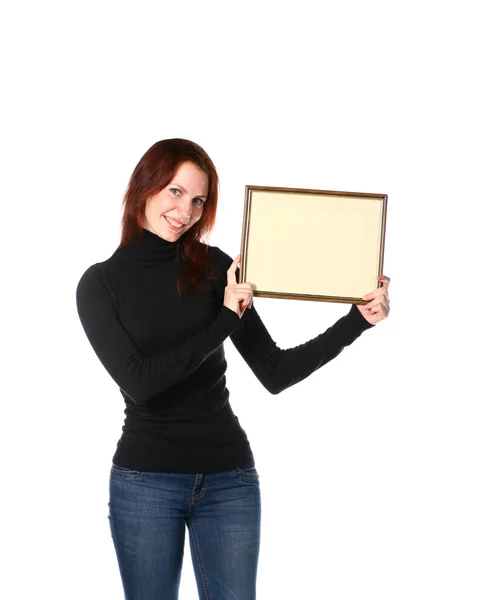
(148, 513)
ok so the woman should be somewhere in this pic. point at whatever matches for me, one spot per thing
(156, 314)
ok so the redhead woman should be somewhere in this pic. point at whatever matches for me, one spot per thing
(156, 314)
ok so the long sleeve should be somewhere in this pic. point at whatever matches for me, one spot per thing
(142, 377)
(278, 369)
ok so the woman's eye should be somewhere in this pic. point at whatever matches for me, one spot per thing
(173, 190)
(202, 202)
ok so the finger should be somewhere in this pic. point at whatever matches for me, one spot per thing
(231, 272)
(382, 291)
(242, 291)
(380, 310)
(384, 280)
(373, 303)
(381, 299)
(245, 303)
(243, 286)
(245, 296)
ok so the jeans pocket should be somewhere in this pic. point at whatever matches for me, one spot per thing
(124, 473)
(247, 473)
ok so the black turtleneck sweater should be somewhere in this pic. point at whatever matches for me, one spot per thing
(166, 354)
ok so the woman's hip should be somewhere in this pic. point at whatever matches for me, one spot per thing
(151, 495)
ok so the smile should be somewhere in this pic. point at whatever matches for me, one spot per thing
(174, 225)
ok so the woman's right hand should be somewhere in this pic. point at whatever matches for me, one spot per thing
(237, 296)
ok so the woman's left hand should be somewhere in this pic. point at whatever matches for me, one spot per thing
(378, 308)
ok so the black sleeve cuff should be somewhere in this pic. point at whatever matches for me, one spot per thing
(358, 322)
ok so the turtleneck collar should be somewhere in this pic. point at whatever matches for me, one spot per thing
(152, 248)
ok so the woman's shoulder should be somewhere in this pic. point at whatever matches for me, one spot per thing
(220, 256)
(99, 272)
(92, 275)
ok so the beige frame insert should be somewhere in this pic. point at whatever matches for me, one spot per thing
(318, 245)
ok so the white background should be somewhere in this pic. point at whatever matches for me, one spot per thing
(374, 470)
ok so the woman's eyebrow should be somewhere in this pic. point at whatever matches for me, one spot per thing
(180, 185)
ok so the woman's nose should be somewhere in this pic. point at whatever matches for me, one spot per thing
(185, 207)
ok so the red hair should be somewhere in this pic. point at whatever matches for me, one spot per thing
(154, 172)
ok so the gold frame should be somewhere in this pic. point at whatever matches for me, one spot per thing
(355, 227)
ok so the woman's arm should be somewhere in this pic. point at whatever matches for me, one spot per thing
(279, 369)
(142, 377)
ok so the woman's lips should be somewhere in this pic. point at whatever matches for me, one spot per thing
(173, 227)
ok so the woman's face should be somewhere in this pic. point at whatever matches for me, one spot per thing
(179, 205)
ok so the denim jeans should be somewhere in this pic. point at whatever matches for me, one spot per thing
(148, 513)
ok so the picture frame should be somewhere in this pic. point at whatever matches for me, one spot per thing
(306, 244)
